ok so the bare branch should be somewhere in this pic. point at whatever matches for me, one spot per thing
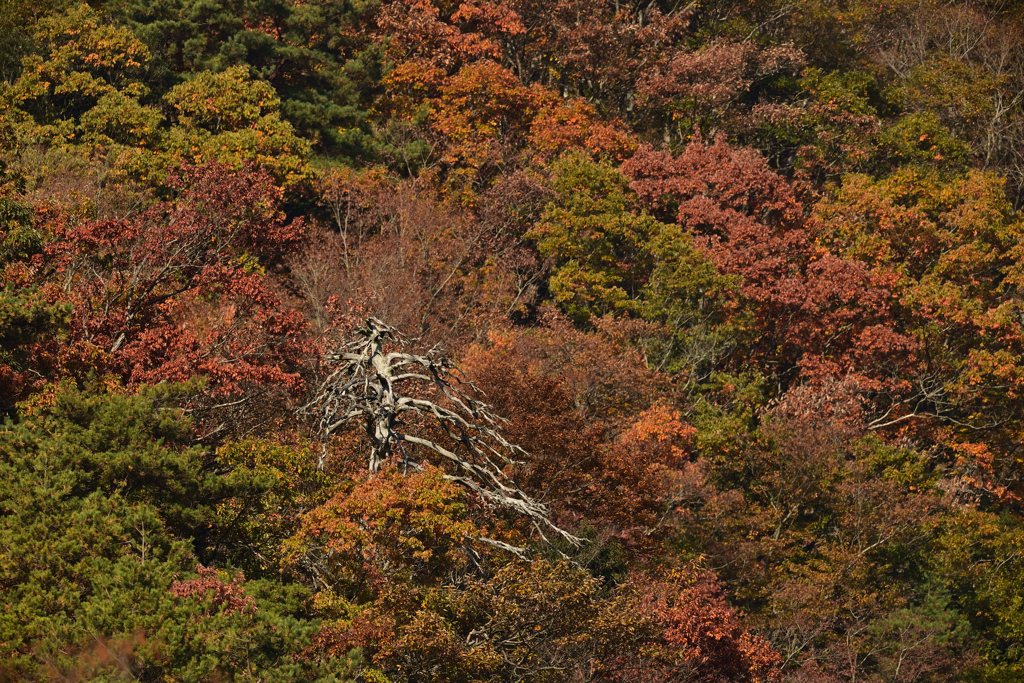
(371, 384)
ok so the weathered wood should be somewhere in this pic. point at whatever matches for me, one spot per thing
(370, 384)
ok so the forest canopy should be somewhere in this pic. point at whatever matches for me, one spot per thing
(405, 341)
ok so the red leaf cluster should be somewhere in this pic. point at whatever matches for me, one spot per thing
(224, 597)
(812, 310)
(181, 290)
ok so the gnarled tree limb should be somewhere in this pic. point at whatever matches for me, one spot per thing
(371, 383)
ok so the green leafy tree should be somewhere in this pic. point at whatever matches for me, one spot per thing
(103, 510)
(978, 557)
(597, 238)
(610, 256)
(229, 118)
(77, 113)
(313, 54)
(83, 84)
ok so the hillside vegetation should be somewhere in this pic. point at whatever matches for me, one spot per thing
(508, 341)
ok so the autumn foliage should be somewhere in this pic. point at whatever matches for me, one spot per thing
(505, 340)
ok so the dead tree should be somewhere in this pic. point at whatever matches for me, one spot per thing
(377, 383)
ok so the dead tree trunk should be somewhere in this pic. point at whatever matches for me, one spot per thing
(377, 383)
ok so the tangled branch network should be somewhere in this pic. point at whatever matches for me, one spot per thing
(374, 381)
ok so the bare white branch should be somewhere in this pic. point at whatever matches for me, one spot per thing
(371, 384)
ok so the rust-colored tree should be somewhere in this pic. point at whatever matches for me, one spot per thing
(181, 290)
(813, 313)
